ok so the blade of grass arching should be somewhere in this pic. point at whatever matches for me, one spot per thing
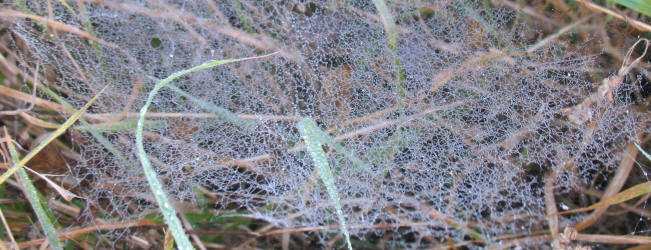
(223, 113)
(642, 6)
(34, 199)
(73, 118)
(313, 139)
(635, 191)
(643, 152)
(169, 214)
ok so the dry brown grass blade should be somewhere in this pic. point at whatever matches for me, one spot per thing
(109, 116)
(614, 239)
(550, 205)
(434, 214)
(635, 23)
(135, 90)
(9, 92)
(641, 247)
(616, 183)
(57, 25)
(188, 227)
(257, 41)
(217, 12)
(37, 122)
(473, 63)
(628, 194)
(8, 230)
(185, 25)
(70, 210)
(67, 195)
(74, 233)
(631, 208)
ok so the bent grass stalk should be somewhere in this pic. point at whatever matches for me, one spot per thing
(313, 138)
(169, 214)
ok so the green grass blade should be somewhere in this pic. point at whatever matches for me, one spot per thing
(75, 116)
(643, 152)
(642, 6)
(169, 214)
(312, 136)
(35, 200)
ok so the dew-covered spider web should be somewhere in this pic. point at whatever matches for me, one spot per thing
(446, 137)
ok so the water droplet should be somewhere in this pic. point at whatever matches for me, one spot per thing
(564, 207)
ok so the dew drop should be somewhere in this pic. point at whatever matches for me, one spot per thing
(564, 207)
